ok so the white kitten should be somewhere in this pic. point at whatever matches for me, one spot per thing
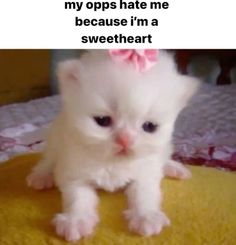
(114, 131)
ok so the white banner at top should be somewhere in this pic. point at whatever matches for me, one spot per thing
(169, 24)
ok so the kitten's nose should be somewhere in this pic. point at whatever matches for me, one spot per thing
(124, 140)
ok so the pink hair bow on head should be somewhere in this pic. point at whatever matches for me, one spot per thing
(142, 59)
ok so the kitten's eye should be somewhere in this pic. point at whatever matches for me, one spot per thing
(149, 127)
(105, 121)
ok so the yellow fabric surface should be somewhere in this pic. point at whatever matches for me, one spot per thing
(202, 210)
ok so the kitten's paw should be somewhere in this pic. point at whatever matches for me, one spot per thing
(149, 224)
(40, 181)
(176, 170)
(72, 228)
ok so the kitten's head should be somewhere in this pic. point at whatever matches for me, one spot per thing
(118, 112)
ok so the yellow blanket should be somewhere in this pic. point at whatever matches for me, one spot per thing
(202, 211)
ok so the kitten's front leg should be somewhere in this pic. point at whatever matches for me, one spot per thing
(41, 176)
(80, 216)
(176, 170)
(144, 213)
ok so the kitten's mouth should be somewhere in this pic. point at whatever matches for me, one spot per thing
(123, 152)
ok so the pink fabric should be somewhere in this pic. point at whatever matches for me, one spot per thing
(6, 143)
(141, 59)
(22, 139)
(203, 150)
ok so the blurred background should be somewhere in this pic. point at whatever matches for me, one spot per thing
(30, 74)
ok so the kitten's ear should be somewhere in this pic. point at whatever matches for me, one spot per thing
(68, 71)
(188, 87)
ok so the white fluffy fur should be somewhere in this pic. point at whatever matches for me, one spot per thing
(82, 156)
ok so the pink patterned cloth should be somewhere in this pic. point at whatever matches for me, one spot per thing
(6, 143)
(21, 139)
(141, 59)
(203, 150)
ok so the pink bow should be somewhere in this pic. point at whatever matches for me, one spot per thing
(142, 59)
